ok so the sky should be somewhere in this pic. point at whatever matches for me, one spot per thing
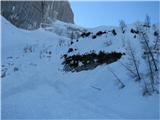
(97, 13)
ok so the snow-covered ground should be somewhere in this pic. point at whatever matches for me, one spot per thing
(36, 87)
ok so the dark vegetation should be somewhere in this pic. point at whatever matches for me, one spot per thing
(94, 37)
(134, 31)
(114, 32)
(70, 50)
(15, 69)
(147, 26)
(77, 63)
(72, 42)
(28, 49)
(156, 33)
(46, 53)
(3, 71)
(99, 33)
(123, 26)
(85, 34)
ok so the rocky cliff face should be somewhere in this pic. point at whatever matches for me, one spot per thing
(30, 14)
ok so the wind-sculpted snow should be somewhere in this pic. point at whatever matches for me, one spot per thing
(35, 86)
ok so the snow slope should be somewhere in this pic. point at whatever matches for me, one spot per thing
(36, 87)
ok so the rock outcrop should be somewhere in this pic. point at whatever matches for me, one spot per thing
(30, 14)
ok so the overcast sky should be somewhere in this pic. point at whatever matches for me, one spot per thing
(92, 14)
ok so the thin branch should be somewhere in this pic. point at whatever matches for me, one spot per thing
(149, 50)
(99, 89)
(118, 79)
(127, 68)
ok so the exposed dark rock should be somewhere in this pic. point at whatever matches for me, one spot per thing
(29, 14)
(89, 61)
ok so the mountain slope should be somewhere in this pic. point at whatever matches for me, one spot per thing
(35, 85)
